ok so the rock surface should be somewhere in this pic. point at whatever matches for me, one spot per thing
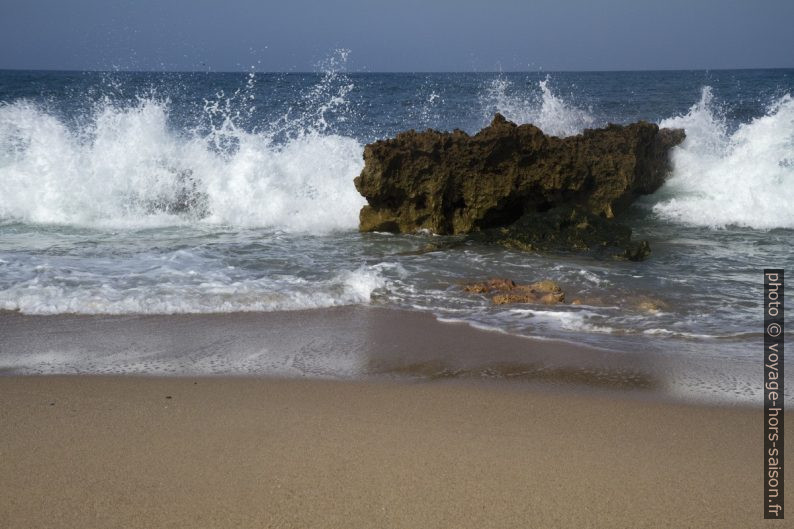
(517, 177)
(567, 228)
(506, 291)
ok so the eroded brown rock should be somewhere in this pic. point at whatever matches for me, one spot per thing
(547, 292)
(495, 283)
(452, 183)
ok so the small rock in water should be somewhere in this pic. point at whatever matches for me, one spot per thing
(547, 292)
(495, 283)
(650, 305)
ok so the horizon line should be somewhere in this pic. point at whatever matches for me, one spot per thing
(314, 72)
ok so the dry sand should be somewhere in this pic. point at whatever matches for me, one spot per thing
(102, 452)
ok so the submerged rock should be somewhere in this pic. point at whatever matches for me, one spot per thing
(549, 192)
(547, 292)
(649, 305)
(495, 283)
(567, 228)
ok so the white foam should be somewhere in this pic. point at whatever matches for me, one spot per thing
(126, 168)
(544, 109)
(744, 178)
(682, 334)
(593, 278)
(213, 294)
(568, 320)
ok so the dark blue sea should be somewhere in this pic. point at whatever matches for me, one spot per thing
(95, 168)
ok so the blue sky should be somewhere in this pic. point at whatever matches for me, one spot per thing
(396, 35)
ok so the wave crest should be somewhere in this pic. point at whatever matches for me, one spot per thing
(744, 178)
(124, 167)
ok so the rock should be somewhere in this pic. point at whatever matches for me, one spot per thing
(546, 292)
(593, 301)
(454, 183)
(186, 198)
(552, 298)
(567, 228)
(525, 296)
(650, 305)
(546, 285)
(495, 283)
(503, 299)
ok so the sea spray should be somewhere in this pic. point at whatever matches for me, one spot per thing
(207, 192)
(543, 108)
(124, 166)
(742, 178)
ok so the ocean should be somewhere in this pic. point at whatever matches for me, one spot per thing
(163, 193)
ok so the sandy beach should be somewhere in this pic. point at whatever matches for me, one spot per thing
(426, 424)
(359, 417)
(235, 452)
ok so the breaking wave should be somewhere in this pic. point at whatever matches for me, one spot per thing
(732, 178)
(722, 175)
(52, 292)
(125, 167)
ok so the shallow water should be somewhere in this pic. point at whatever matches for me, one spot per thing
(134, 193)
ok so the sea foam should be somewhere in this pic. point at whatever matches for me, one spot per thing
(124, 167)
(742, 178)
(206, 292)
(721, 177)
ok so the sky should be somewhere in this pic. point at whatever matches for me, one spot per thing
(396, 35)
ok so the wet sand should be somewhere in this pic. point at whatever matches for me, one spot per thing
(355, 343)
(101, 452)
(426, 425)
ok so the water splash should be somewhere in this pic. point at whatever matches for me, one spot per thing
(123, 166)
(542, 108)
(326, 103)
(426, 110)
(744, 178)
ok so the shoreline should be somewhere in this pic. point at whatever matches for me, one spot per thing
(88, 451)
(359, 416)
(355, 343)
